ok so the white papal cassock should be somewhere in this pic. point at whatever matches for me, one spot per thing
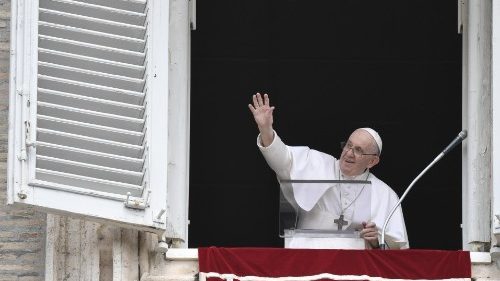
(320, 204)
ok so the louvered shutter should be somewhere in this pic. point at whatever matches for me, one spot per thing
(91, 96)
(93, 118)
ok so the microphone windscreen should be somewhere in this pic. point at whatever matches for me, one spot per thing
(463, 134)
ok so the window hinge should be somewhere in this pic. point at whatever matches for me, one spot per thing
(192, 14)
(461, 16)
(23, 155)
(496, 224)
(21, 93)
(137, 203)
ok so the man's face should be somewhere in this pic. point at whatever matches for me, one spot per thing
(352, 160)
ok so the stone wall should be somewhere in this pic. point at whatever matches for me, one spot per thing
(22, 231)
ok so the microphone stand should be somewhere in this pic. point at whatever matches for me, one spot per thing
(461, 136)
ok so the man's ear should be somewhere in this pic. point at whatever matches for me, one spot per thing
(374, 161)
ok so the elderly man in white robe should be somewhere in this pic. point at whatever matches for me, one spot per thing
(362, 207)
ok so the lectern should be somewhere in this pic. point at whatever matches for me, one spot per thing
(300, 234)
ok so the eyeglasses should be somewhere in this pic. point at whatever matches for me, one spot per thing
(358, 152)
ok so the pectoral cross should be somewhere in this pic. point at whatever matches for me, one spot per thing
(340, 222)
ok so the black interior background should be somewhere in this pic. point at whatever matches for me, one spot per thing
(329, 66)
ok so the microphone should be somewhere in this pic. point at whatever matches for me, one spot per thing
(461, 136)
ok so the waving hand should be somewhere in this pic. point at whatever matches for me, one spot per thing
(263, 114)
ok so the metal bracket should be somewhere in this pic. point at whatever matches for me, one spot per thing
(27, 126)
(22, 195)
(192, 14)
(136, 203)
(461, 16)
(23, 154)
(496, 229)
(28, 100)
(157, 219)
(496, 223)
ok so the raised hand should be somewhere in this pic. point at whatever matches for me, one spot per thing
(263, 114)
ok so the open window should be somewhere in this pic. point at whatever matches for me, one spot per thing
(89, 123)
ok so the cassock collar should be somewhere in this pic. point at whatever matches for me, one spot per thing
(362, 176)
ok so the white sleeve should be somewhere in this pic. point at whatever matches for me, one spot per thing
(278, 156)
(298, 162)
(383, 200)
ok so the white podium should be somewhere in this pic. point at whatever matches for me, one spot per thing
(322, 239)
(328, 232)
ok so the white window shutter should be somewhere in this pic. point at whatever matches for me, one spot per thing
(89, 108)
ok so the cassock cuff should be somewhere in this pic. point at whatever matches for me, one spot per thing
(269, 147)
(277, 156)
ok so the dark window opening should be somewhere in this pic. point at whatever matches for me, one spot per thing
(330, 66)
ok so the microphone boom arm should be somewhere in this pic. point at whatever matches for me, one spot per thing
(383, 245)
(461, 136)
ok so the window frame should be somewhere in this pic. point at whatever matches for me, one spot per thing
(24, 190)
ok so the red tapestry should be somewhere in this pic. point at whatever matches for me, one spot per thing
(303, 264)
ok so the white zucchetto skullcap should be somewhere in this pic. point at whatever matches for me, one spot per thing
(376, 137)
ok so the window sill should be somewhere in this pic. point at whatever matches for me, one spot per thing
(192, 254)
